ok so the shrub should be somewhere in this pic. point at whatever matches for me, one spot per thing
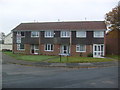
(90, 55)
(4, 50)
(80, 54)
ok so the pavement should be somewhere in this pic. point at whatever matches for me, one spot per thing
(8, 59)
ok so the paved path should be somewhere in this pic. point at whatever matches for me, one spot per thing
(8, 59)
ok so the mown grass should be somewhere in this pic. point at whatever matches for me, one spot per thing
(70, 59)
(79, 60)
(114, 56)
(29, 57)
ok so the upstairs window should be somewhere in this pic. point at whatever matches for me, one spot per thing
(49, 34)
(20, 46)
(81, 34)
(48, 47)
(80, 48)
(21, 34)
(18, 40)
(34, 34)
(98, 34)
(65, 33)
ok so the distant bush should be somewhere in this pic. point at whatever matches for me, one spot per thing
(81, 55)
(4, 50)
(90, 55)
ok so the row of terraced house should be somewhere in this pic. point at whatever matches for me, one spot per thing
(55, 38)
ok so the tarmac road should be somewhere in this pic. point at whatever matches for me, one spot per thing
(21, 76)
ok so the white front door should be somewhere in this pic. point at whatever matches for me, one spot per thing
(34, 49)
(98, 50)
(65, 49)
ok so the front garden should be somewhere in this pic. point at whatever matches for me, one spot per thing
(56, 59)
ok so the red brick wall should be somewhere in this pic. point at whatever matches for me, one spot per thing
(89, 49)
(27, 48)
(112, 42)
(56, 50)
(17, 51)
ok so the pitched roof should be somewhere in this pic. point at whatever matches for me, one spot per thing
(81, 25)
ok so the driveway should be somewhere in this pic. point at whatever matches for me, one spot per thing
(21, 76)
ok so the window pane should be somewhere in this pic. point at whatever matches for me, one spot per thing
(18, 40)
(21, 46)
(98, 48)
(34, 34)
(95, 48)
(22, 34)
(48, 47)
(68, 33)
(98, 34)
(49, 34)
(80, 48)
(65, 34)
(101, 47)
(81, 34)
(51, 47)
(77, 48)
(36, 46)
(18, 46)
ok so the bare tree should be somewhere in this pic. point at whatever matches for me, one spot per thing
(2, 35)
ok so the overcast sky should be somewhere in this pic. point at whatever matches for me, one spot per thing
(14, 12)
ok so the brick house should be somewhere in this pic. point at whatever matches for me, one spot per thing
(113, 42)
(54, 38)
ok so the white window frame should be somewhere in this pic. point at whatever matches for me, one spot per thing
(19, 33)
(36, 32)
(79, 34)
(49, 34)
(78, 46)
(47, 47)
(18, 47)
(18, 39)
(100, 35)
(65, 34)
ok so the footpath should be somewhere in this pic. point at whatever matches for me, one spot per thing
(7, 59)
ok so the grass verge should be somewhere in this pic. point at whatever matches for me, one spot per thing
(114, 56)
(70, 59)
(29, 57)
(76, 59)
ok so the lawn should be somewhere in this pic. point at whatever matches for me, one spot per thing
(70, 59)
(79, 60)
(29, 57)
(114, 56)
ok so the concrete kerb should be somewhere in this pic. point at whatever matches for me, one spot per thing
(68, 65)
